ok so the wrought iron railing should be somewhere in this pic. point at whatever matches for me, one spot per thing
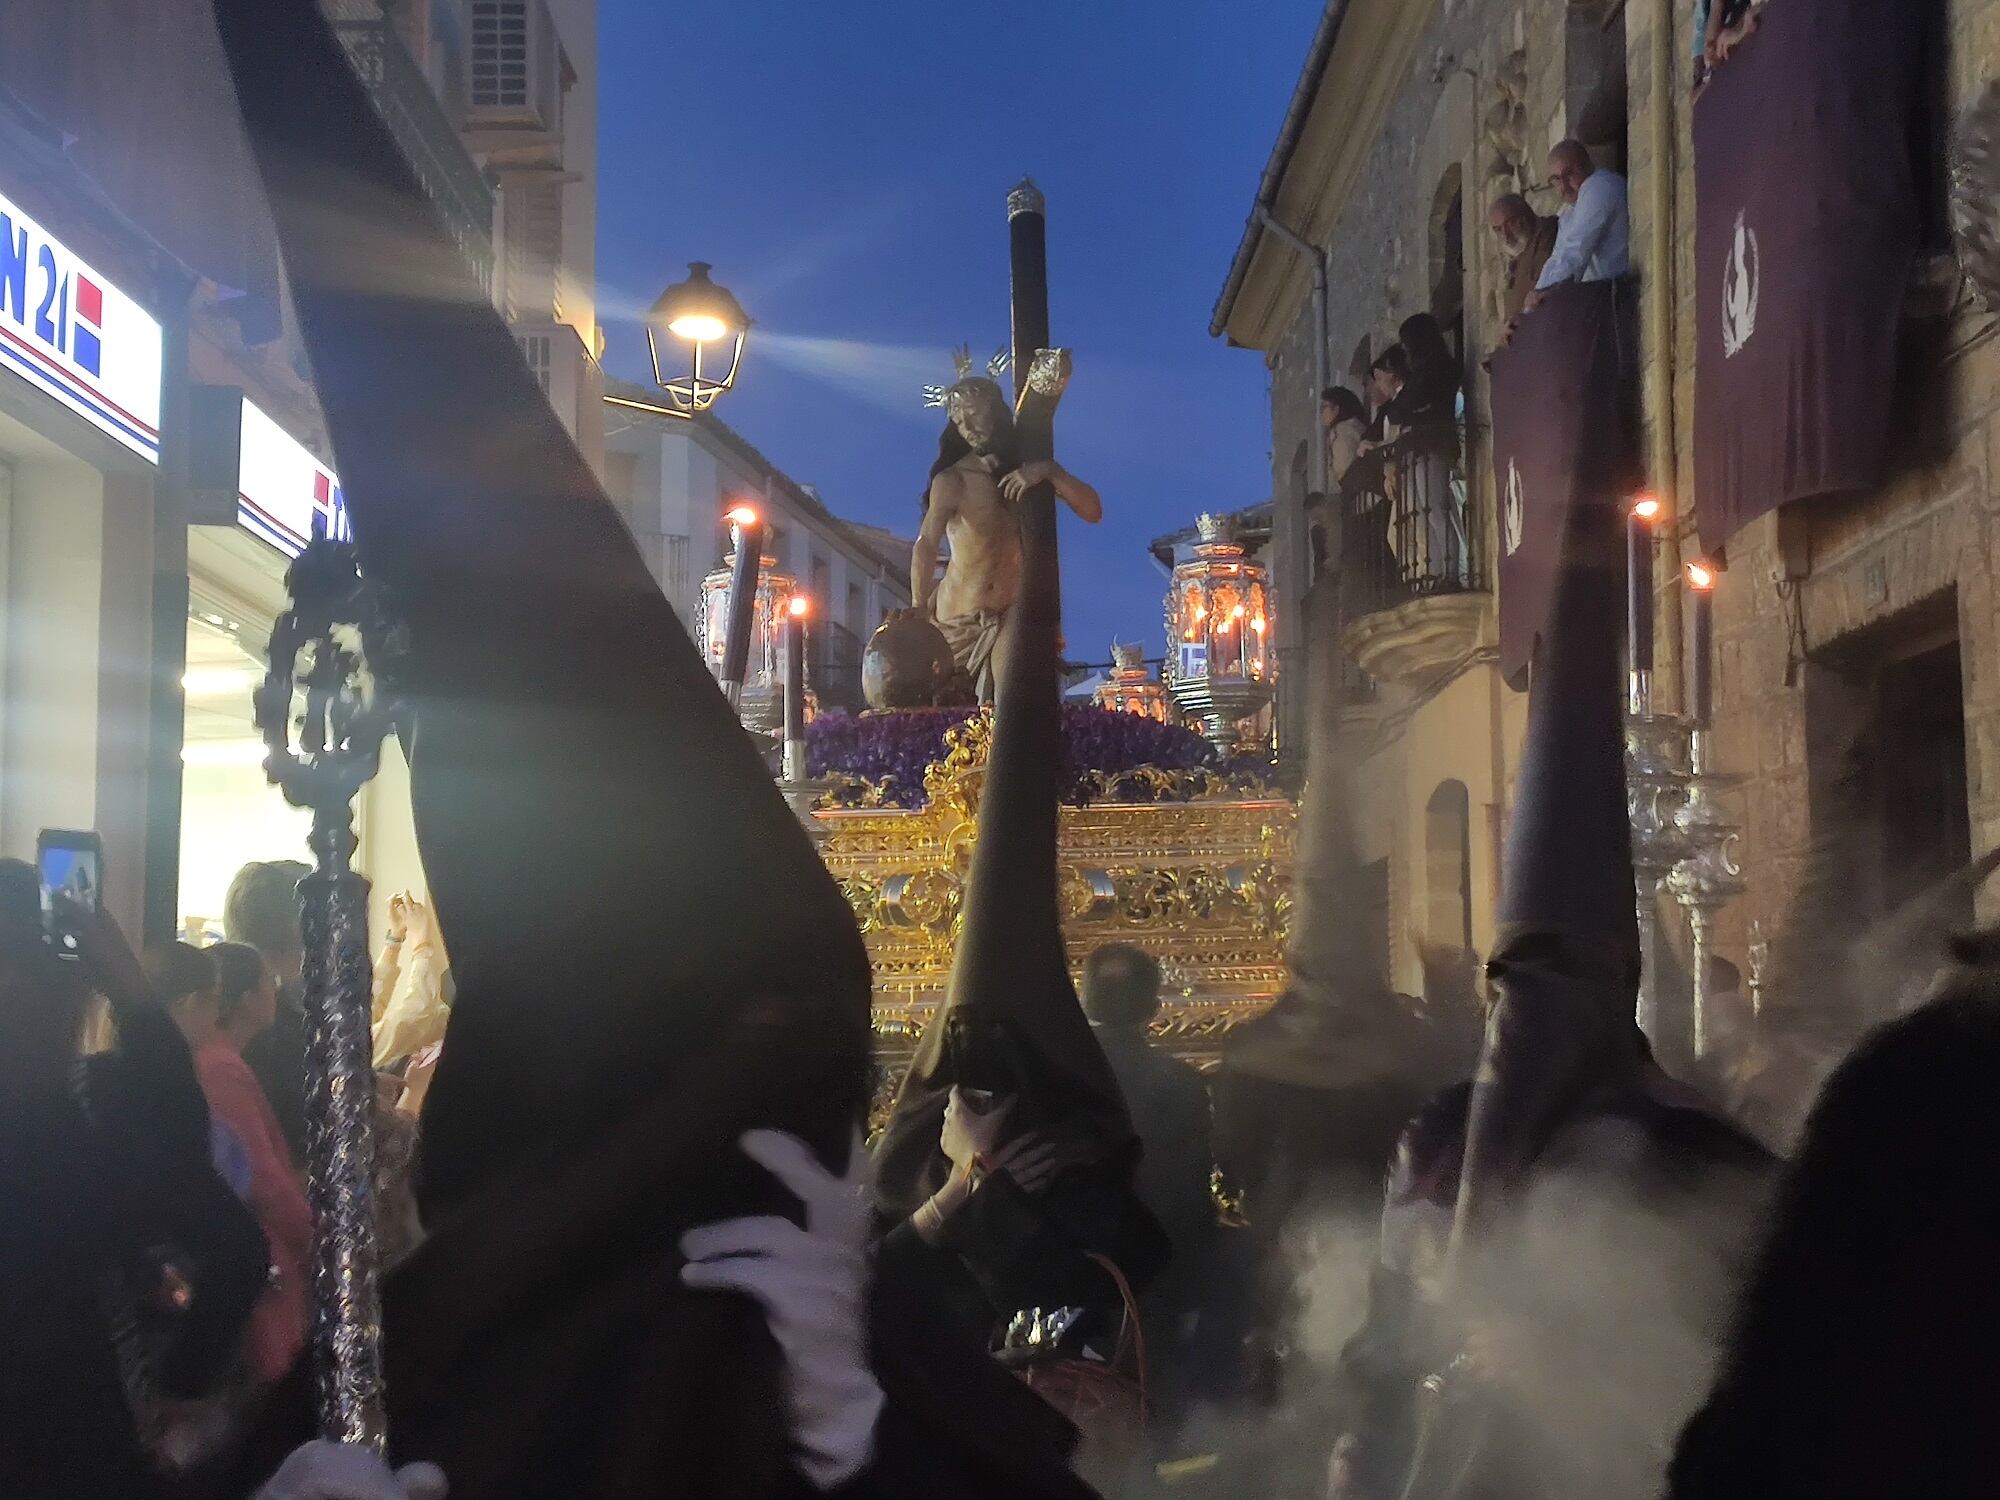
(421, 127)
(1408, 526)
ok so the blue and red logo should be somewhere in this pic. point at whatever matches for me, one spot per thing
(86, 345)
(69, 332)
(285, 494)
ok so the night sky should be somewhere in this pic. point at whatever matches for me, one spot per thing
(845, 167)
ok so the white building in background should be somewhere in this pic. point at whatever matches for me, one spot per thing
(674, 477)
(518, 79)
(162, 453)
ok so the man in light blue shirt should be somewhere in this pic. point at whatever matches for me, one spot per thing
(1594, 233)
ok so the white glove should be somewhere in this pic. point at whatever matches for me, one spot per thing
(813, 1286)
(346, 1471)
(972, 1129)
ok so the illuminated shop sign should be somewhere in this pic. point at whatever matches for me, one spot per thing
(66, 330)
(284, 494)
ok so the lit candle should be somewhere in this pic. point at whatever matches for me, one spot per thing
(1639, 582)
(795, 687)
(748, 529)
(1701, 583)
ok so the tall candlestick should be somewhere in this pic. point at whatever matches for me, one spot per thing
(1701, 583)
(1639, 582)
(748, 527)
(795, 688)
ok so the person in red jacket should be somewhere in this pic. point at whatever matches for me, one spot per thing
(222, 998)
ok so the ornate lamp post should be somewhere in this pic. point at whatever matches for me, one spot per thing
(1130, 689)
(336, 645)
(1220, 667)
(696, 332)
(1709, 877)
(744, 649)
(1655, 766)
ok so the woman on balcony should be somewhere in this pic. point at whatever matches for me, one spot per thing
(1429, 530)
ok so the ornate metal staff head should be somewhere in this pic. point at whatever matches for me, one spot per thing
(336, 645)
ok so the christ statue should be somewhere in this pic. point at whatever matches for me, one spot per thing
(974, 486)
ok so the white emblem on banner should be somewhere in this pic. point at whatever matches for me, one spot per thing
(1512, 516)
(1740, 280)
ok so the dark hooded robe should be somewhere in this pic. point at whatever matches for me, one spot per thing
(1312, 1095)
(650, 958)
(1864, 1360)
(1011, 1012)
(108, 1197)
(1603, 1209)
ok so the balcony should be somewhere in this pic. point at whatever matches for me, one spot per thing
(1413, 567)
(421, 127)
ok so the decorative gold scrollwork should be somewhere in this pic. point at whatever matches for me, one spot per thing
(1199, 879)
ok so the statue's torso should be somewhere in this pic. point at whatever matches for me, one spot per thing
(985, 539)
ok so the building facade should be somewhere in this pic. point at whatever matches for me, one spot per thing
(675, 477)
(1856, 680)
(162, 454)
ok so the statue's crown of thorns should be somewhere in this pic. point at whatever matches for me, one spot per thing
(961, 358)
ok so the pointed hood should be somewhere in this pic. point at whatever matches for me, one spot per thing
(1010, 966)
(613, 871)
(1568, 868)
(1339, 1024)
(1566, 968)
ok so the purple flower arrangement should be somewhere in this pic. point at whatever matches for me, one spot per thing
(882, 757)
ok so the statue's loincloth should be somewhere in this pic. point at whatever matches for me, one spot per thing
(972, 638)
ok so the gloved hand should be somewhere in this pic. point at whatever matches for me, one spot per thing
(813, 1286)
(974, 1126)
(345, 1471)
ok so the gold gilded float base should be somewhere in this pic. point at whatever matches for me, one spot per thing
(1201, 882)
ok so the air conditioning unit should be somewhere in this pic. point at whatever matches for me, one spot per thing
(516, 69)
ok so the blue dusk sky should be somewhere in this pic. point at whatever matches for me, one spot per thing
(845, 164)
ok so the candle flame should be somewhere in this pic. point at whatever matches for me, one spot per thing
(1258, 624)
(1700, 577)
(800, 606)
(1647, 508)
(741, 515)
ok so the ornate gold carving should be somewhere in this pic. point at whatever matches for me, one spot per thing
(1202, 884)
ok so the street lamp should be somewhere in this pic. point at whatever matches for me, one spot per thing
(695, 330)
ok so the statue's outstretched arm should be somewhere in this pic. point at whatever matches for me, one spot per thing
(1077, 495)
(1074, 493)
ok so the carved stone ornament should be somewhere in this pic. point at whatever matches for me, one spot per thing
(1975, 195)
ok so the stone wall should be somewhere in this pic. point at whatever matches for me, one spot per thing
(1492, 87)
(1798, 585)
(1804, 585)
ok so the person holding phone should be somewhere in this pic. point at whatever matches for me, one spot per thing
(127, 1266)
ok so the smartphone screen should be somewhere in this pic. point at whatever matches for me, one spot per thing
(71, 863)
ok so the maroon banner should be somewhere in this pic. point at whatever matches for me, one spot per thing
(1807, 227)
(1561, 440)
